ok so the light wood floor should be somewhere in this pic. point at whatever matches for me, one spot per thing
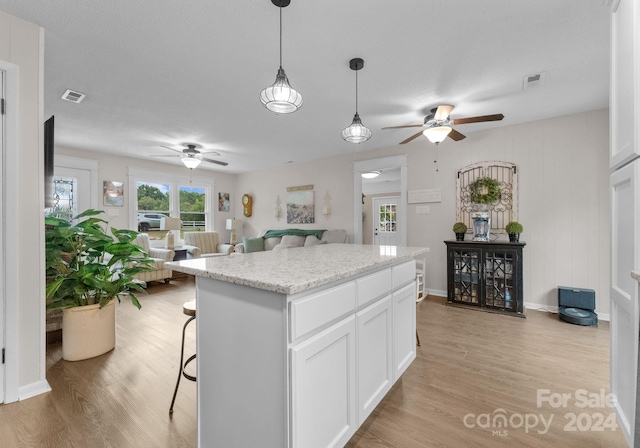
(470, 362)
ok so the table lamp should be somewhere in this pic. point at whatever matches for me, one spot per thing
(233, 225)
(170, 224)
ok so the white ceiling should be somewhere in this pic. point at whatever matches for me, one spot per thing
(169, 73)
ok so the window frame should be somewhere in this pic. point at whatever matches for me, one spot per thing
(175, 181)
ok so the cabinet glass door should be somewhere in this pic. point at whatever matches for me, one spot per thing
(466, 275)
(499, 274)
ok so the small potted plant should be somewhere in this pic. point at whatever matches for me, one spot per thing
(87, 270)
(460, 229)
(514, 229)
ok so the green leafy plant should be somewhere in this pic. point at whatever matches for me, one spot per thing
(86, 266)
(484, 190)
(459, 227)
(513, 227)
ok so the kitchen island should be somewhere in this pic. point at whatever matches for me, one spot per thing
(296, 347)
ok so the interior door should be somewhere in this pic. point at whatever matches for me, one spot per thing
(385, 225)
(2, 251)
(625, 251)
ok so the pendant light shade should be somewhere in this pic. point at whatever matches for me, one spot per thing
(356, 132)
(280, 97)
(190, 162)
(437, 134)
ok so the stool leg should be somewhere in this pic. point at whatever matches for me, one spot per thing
(418, 337)
(175, 392)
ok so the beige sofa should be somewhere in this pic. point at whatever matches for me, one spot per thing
(205, 244)
(287, 241)
(160, 256)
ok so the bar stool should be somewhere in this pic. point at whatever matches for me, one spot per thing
(188, 308)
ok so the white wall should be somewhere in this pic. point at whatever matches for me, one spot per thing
(333, 174)
(112, 167)
(564, 204)
(22, 43)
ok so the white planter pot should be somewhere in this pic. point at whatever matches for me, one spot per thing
(88, 331)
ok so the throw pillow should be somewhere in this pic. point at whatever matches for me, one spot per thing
(293, 240)
(253, 244)
(311, 240)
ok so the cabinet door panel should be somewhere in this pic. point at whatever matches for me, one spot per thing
(465, 281)
(375, 363)
(404, 329)
(323, 388)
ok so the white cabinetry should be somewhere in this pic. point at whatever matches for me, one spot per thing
(375, 355)
(624, 118)
(404, 329)
(323, 388)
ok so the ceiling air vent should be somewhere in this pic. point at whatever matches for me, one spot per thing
(535, 80)
(73, 96)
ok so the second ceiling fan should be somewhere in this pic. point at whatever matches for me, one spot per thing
(438, 125)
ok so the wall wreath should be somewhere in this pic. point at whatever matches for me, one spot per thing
(484, 190)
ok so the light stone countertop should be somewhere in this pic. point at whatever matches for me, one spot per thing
(635, 275)
(294, 270)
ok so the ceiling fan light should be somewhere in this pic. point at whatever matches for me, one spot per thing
(371, 174)
(356, 132)
(280, 97)
(191, 162)
(437, 134)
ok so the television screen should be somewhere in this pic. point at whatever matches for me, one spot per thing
(48, 163)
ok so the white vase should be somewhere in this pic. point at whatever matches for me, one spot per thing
(88, 331)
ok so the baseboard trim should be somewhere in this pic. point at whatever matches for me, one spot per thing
(436, 292)
(554, 309)
(33, 389)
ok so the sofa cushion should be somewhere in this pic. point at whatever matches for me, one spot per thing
(312, 241)
(283, 246)
(270, 243)
(293, 240)
(335, 236)
(253, 244)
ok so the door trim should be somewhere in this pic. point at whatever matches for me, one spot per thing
(377, 164)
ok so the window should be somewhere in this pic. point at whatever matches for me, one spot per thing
(192, 207)
(387, 217)
(161, 195)
(64, 203)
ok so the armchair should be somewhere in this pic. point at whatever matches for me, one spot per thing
(160, 256)
(205, 244)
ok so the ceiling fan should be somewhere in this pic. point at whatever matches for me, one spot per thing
(191, 157)
(438, 125)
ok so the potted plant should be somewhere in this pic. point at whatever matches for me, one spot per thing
(460, 229)
(87, 270)
(482, 192)
(514, 229)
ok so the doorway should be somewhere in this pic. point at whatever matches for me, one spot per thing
(386, 163)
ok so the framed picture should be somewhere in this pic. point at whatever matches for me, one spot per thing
(113, 193)
(223, 202)
(300, 205)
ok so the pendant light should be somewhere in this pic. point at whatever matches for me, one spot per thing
(280, 97)
(356, 132)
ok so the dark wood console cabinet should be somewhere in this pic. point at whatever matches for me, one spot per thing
(486, 275)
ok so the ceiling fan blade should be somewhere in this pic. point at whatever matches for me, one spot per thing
(480, 119)
(405, 126)
(165, 155)
(413, 137)
(213, 153)
(215, 161)
(456, 136)
(443, 112)
(172, 149)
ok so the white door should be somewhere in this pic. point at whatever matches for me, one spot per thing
(2, 251)
(385, 221)
(625, 257)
